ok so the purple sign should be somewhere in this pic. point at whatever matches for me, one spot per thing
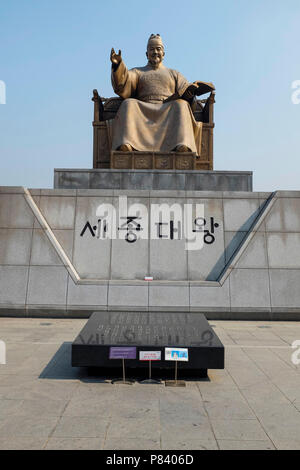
(122, 353)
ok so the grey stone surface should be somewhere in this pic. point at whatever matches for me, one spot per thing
(255, 254)
(47, 285)
(239, 214)
(14, 212)
(206, 297)
(250, 288)
(100, 180)
(245, 445)
(13, 285)
(86, 295)
(42, 252)
(135, 180)
(27, 426)
(86, 443)
(21, 443)
(284, 285)
(92, 256)
(284, 250)
(208, 262)
(76, 426)
(131, 444)
(15, 246)
(69, 179)
(127, 295)
(285, 216)
(129, 260)
(271, 252)
(59, 211)
(168, 296)
(168, 260)
(65, 239)
(154, 179)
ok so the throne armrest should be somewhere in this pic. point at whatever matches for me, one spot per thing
(105, 108)
(208, 110)
(203, 109)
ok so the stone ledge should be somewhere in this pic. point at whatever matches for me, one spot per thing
(153, 179)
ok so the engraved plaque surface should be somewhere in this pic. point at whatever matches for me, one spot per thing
(148, 331)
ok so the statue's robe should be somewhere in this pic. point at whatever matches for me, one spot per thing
(144, 120)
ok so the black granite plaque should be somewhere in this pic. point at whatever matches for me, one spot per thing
(151, 331)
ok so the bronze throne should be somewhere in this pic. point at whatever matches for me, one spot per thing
(105, 110)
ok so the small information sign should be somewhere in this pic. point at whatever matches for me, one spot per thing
(150, 355)
(176, 354)
(122, 352)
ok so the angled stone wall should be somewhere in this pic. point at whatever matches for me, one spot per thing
(48, 267)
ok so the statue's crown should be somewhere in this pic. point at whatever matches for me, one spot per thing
(155, 38)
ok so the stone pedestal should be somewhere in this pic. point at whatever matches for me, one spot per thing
(145, 331)
(153, 179)
(55, 261)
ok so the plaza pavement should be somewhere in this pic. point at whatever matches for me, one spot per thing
(46, 404)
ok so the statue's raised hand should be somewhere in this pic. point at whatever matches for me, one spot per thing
(115, 58)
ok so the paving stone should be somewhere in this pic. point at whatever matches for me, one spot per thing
(42, 407)
(229, 409)
(191, 444)
(252, 404)
(133, 428)
(245, 445)
(79, 426)
(84, 443)
(9, 407)
(27, 426)
(131, 444)
(97, 407)
(191, 429)
(287, 444)
(239, 429)
(22, 443)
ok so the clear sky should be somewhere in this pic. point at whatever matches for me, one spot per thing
(54, 52)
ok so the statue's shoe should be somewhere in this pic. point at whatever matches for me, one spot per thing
(182, 148)
(125, 148)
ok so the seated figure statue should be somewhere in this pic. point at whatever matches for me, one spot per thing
(156, 114)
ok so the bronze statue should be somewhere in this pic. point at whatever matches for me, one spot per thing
(156, 112)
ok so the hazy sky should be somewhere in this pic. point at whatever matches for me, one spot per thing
(53, 53)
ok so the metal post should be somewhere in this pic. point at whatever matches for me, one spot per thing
(176, 372)
(123, 363)
(149, 369)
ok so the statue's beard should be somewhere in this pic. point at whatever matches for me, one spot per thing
(155, 61)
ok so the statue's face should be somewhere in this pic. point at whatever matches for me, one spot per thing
(155, 53)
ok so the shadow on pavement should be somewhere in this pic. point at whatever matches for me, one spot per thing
(60, 367)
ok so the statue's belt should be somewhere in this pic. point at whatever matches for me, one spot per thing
(158, 98)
